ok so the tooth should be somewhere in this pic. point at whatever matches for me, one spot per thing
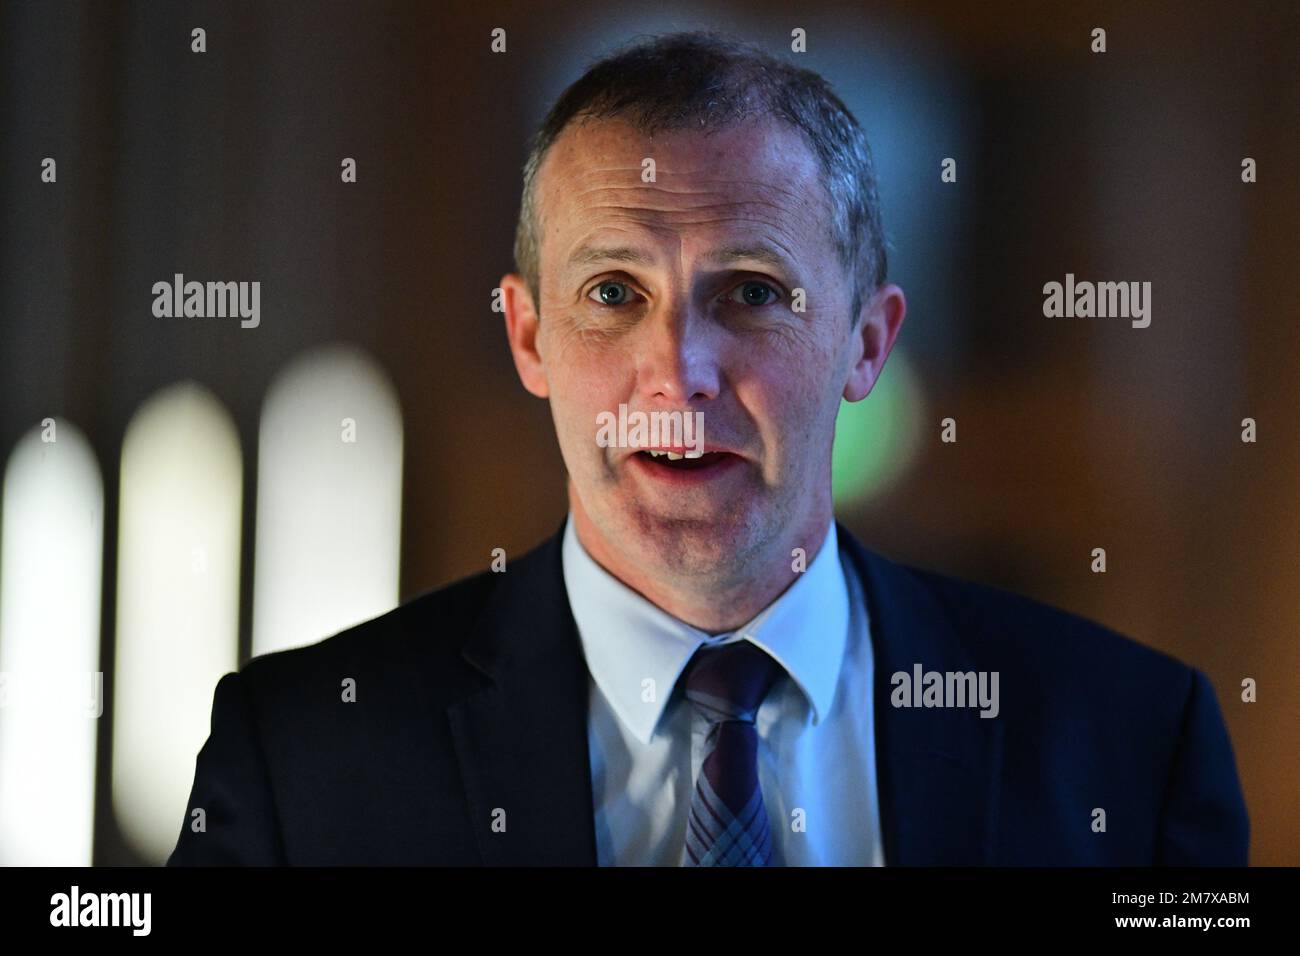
(673, 456)
(695, 454)
(656, 453)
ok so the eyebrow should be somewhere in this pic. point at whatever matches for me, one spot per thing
(592, 254)
(757, 253)
(588, 255)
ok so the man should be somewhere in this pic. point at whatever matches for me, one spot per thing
(701, 667)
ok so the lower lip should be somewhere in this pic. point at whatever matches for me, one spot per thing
(686, 477)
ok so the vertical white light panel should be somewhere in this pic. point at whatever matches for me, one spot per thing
(329, 499)
(177, 603)
(52, 694)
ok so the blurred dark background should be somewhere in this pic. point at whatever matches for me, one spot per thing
(1072, 433)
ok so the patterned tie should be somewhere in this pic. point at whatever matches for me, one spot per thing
(727, 825)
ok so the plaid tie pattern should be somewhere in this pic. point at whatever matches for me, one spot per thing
(728, 824)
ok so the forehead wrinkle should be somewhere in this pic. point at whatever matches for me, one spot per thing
(763, 211)
(667, 224)
(716, 187)
(772, 231)
(774, 207)
(763, 192)
(772, 215)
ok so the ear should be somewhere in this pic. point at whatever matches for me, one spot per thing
(878, 325)
(521, 330)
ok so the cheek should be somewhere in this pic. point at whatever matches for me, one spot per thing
(782, 407)
(589, 362)
(793, 405)
(583, 385)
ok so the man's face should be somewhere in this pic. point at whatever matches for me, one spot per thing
(676, 295)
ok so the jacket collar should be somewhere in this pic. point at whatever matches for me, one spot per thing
(521, 737)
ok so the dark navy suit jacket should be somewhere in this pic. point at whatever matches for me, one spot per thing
(472, 699)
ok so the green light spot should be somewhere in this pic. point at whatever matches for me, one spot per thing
(875, 439)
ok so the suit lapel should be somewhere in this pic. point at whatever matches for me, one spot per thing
(521, 739)
(937, 768)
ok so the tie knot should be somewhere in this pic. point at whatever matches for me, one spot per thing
(729, 682)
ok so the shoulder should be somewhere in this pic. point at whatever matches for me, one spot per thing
(423, 618)
(1007, 622)
(413, 655)
(413, 647)
(1048, 657)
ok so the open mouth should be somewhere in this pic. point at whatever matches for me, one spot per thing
(671, 460)
(678, 472)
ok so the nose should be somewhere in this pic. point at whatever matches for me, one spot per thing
(677, 356)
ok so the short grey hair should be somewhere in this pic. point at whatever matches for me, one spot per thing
(705, 80)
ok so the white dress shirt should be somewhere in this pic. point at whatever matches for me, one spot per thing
(816, 730)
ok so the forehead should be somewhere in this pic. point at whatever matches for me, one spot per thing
(755, 176)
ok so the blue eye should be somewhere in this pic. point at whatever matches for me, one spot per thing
(608, 293)
(754, 294)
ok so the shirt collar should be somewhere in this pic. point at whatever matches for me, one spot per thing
(636, 651)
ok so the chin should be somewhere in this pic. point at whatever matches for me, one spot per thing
(696, 545)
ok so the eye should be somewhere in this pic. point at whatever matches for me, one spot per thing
(754, 293)
(611, 292)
